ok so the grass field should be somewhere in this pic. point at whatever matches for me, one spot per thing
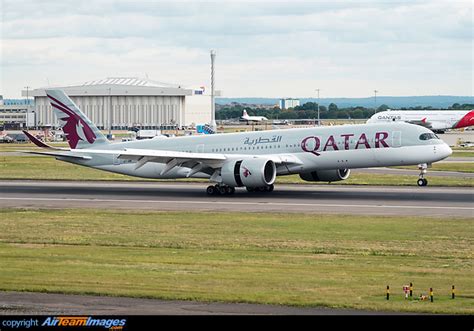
(462, 154)
(298, 259)
(47, 168)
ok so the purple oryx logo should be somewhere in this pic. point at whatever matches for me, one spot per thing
(246, 172)
(75, 128)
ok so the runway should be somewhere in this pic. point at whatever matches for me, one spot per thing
(317, 199)
(23, 303)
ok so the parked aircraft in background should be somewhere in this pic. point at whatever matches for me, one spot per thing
(246, 117)
(437, 120)
(246, 159)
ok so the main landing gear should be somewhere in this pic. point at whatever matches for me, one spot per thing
(227, 190)
(267, 188)
(220, 190)
(421, 180)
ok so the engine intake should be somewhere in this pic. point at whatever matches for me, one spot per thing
(326, 175)
(256, 172)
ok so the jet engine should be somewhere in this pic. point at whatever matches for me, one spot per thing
(255, 172)
(326, 175)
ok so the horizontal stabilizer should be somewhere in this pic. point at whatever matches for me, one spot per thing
(40, 143)
(58, 154)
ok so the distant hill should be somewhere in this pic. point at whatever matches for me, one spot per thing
(436, 101)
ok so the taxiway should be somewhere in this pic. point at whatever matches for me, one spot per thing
(369, 200)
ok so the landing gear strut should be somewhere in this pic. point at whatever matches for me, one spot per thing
(220, 190)
(421, 180)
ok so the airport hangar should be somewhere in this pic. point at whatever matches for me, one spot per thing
(131, 102)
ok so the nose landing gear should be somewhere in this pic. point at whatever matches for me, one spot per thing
(421, 180)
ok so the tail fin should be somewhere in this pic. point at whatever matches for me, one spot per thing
(80, 132)
(244, 114)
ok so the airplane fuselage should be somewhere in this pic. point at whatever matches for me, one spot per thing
(301, 150)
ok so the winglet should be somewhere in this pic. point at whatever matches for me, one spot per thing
(38, 142)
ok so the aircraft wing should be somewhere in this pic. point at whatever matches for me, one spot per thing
(170, 158)
(195, 161)
(160, 156)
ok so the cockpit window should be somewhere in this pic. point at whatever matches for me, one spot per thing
(428, 136)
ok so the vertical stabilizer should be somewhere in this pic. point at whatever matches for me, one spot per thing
(80, 132)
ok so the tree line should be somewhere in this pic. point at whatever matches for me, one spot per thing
(309, 110)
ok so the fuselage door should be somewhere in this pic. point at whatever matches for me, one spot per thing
(396, 138)
(200, 148)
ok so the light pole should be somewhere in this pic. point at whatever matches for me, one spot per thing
(28, 107)
(110, 114)
(319, 122)
(27, 96)
(375, 101)
(213, 110)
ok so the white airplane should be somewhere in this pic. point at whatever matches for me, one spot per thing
(246, 159)
(246, 117)
(437, 120)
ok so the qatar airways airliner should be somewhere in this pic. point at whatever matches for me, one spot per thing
(246, 159)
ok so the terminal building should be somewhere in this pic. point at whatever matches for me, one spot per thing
(289, 103)
(130, 102)
(16, 115)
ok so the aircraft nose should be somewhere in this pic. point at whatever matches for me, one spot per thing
(445, 150)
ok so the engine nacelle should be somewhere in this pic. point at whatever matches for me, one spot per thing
(256, 172)
(326, 175)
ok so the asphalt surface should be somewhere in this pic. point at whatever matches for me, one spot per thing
(367, 200)
(17, 303)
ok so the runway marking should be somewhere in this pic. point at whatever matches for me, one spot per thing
(265, 203)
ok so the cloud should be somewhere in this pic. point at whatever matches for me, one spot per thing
(264, 48)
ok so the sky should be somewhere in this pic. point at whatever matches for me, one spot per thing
(264, 48)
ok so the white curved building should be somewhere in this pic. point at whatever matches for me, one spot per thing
(130, 102)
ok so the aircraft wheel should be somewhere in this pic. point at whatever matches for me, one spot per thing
(422, 182)
(270, 188)
(425, 182)
(222, 190)
(250, 189)
(230, 190)
(211, 190)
